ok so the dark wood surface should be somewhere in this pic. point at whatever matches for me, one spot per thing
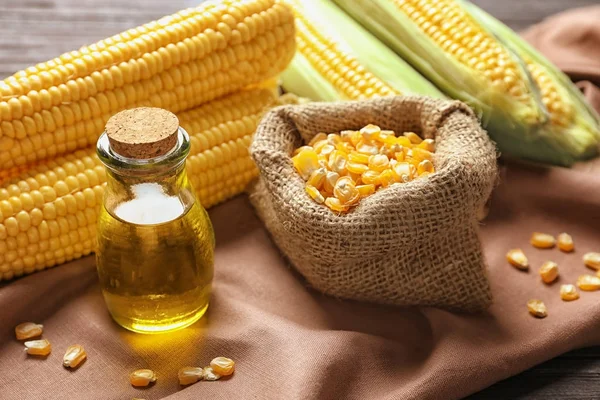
(33, 31)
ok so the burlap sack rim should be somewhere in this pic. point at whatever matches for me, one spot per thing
(296, 187)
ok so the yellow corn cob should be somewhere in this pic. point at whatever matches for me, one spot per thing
(48, 213)
(175, 63)
(529, 108)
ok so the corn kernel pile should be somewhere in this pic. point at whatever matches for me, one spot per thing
(340, 169)
(549, 269)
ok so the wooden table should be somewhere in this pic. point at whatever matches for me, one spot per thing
(33, 31)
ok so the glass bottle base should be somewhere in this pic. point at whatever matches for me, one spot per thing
(160, 326)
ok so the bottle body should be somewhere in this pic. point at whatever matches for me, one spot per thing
(155, 247)
(156, 277)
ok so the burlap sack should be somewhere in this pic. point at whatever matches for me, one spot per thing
(409, 244)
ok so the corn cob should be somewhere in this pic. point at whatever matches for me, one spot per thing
(526, 108)
(176, 63)
(48, 213)
(345, 62)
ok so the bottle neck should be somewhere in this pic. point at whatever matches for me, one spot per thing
(158, 188)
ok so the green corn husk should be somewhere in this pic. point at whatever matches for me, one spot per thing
(521, 128)
(304, 80)
(584, 132)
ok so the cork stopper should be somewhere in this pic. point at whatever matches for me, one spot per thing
(142, 133)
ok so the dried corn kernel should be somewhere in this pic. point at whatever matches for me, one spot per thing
(314, 194)
(327, 150)
(418, 155)
(210, 375)
(413, 137)
(568, 292)
(517, 258)
(142, 377)
(386, 178)
(357, 168)
(74, 355)
(333, 139)
(565, 242)
(357, 157)
(317, 138)
(189, 375)
(592, 260)
(317, 178)
(306, 162)
(427, 144)
(425, 166)
(542, 240)
(223, 366)
(335, 204)
(379, 162)
(537, 308)
(366, 190)
(28, 330)
(402, 172)
(367, 148)
(301, 148)
(38, 347)
(338, 161)
(549, 271)
(346, 191)
(370, 132)
(330, 180)
(589, 283)
(370, 178)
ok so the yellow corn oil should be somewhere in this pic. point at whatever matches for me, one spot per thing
(155, 240)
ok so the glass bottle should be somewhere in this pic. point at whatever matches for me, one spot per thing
(155, 240)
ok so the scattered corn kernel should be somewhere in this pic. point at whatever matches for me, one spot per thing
(565, 242)
(74, 355)
(339, 169)
(542, 240)
(28, 330)
(549, 271)
(568, 292)
(592, 260)
(223, 366)
(142, 377)
(589, 283)
(517, 258)
(38, 347)
(537, 308)
(189, 375)
(210, 375)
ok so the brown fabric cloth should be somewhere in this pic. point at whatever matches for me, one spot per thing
(410, 244)
(293, 343)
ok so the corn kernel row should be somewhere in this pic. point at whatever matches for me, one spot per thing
(64, 104)
(340, 169)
